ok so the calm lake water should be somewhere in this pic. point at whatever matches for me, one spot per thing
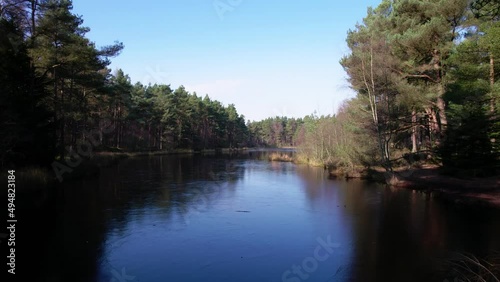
(242, 218)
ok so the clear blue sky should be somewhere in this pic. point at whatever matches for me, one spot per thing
(268, 58)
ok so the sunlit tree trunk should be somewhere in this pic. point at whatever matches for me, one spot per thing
(440, 103)
(369, 83)
(414, 125)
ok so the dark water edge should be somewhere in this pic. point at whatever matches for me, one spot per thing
(241, 218)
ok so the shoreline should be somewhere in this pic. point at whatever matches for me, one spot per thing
(467, 190)
(168, 152)
(429, 179)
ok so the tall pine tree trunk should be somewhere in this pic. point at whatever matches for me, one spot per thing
(159, 137)
(60, 113)
(63, 124)
(414, 148)
(120, 127)
(492, 83)
(433, 126)
(440, 103)
(33, 17)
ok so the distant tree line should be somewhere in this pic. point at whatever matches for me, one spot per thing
(155, 117)
(275, 132)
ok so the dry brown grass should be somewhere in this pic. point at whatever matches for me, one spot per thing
(467, 267)
(280, 157)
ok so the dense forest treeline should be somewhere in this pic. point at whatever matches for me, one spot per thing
(57, 94)
(425, 73)
(426, 77)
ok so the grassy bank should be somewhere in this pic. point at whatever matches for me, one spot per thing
(32, 177)
(462, 189)
(464, 186)
(280, 157)
(33, 186)
(431, 178)
(467, 267)
(170, 152)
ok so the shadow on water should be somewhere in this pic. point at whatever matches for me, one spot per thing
(238, 217)
(403, 235)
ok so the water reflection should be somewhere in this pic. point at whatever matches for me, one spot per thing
(242, 218)
(189, 218)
